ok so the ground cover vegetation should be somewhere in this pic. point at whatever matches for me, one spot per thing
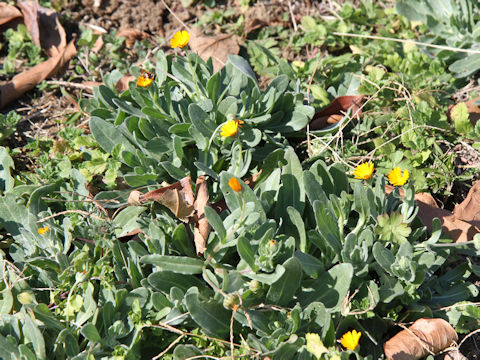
(214, 211)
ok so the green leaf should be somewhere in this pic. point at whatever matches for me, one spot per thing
(161, 70)
(8, 350)
(327, 226)
(165, 280)
(213, 87)
(126, 220)
(245, 251)
(310, 264)
(6, 163)
(216, 223)
(129, 109)
(466, 66)
(176, 264)
(42, 313)
(292, 190)
(182, 241)
(69, 342)
(108, 135)
(6, 302)
(183, 352)
(13, 216)
(90, 332)
(330, 288)
(315, 345)
(392, 228)
(211, 316)
(313, 187)
(201, 121)
(242, 65)
(35, 203)
(296, 219)
(383, 256)
(265, 278)
(89, 306)
(283, 290)
(33, 334)
(461, 120)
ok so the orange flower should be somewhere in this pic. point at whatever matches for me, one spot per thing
(234, 184)
(43, 230)
(145, 79)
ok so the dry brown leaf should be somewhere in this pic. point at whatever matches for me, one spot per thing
(122, 84)
(202, 227)
(334, 112)
(8, 13)
(134, 198)
(178, 197)
(459, 229)
(52, 38)
(30, 11)
(469, 209)
(132, 35)
(217, 47)
(27, 80)
(454, 355)
(98, 43)
(425, 336)
(44, 27)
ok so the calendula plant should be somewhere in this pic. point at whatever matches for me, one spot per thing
(300, 252)
(192, 120)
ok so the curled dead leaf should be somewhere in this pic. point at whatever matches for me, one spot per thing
(44, 27)
(469, 209)
(454, 355)
(27, 80)
(202, 227)
(98, 43)
(334, 112)
(216, 47)
(461, 226)
(178, 197)
(49, 33)
(423, 337)
(8, 13)
(122, 84)
(134, 198)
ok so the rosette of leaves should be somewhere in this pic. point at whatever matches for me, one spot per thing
(171, 128)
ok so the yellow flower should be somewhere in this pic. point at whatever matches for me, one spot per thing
(396, 178)
(364, 171)
(180, 39)
(350, 339)
(230, 128)
(43, 230)
(145, 79)
(234, 184)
